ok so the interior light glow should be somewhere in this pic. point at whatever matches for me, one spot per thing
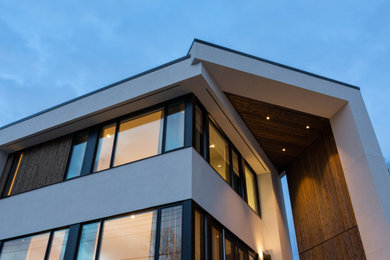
(283, 149)
(219, 166)
(212, 146)
(268, 118)
(132, 216)
(307, 127)
(108, 135)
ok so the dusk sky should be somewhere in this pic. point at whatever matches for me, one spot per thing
(51, 52)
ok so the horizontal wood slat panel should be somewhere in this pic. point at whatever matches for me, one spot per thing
(320, 202)
(43, 165)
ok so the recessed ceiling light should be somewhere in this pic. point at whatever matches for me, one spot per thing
(108, 136)
(268, 118)
(307, 127)
(283, 149)
(219, 166)
(132, 216)
(212, 146)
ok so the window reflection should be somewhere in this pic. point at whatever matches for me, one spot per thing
(58, 245)
(130, 237)
(88, 241)
(77, 155)
(170, 238)
(27, 248)
(198, 141)
(175, 127)
(139, 138)
(236, 172)
(104, 148)
(228, 250)
(219, 153)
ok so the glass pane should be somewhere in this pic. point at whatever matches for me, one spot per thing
(27, 248)
(198, 130)
(104, 148)
(240, 254)
(228, 250)
(219, 153)
(251, 188)
(130, 237)
(77, 157)
(14, 174)
(236, 172)
(58, 245)
(88, 241)
(251, 257)
(199, 236)
(170, 237)
(175, 127)
(139, 138)
(216, 244)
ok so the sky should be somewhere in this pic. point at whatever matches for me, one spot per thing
(53, 51)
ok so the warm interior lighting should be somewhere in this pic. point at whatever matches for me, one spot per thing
(108, 135)
(268, 118)
(212, 146)
(307, 127)
(16, 172)
(283, 149)
(219, 166)
(132, 216)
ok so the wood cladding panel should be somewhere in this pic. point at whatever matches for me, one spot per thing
(286, 128)
(42, 165)
(345, 246)
(321, 204)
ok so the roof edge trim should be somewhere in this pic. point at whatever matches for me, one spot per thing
(98, 90)
(272, 63)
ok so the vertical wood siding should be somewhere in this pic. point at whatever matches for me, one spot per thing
(323, 216)
(42, 165)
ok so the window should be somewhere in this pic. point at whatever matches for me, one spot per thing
(12, 175)
(170, 237)
(199, 235)
(198, 136)
(251, 189)
(236, 173)
(88, 241)
(139, 137)
(229, 250)
(129, 237)
(216, 243)
(77, 155)
(27, 248)
(58, 244)
(219, 152)
(104, 147)
(174, 136)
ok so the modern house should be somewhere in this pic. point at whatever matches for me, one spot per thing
(184, 162)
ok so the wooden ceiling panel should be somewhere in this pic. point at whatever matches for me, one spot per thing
(277, 128)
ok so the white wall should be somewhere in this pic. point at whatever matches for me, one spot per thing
(159, 180)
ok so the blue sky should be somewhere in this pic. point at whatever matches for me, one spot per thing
(51, 51)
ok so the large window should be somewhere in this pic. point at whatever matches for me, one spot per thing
(129, 237)
(134, 236)
(104, 147)
(174, 137)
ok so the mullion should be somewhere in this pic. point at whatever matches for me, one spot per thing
(89, 156)
(100, 238)
(158, 231)
(164, 135)
(189, 113)
(48, 248)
